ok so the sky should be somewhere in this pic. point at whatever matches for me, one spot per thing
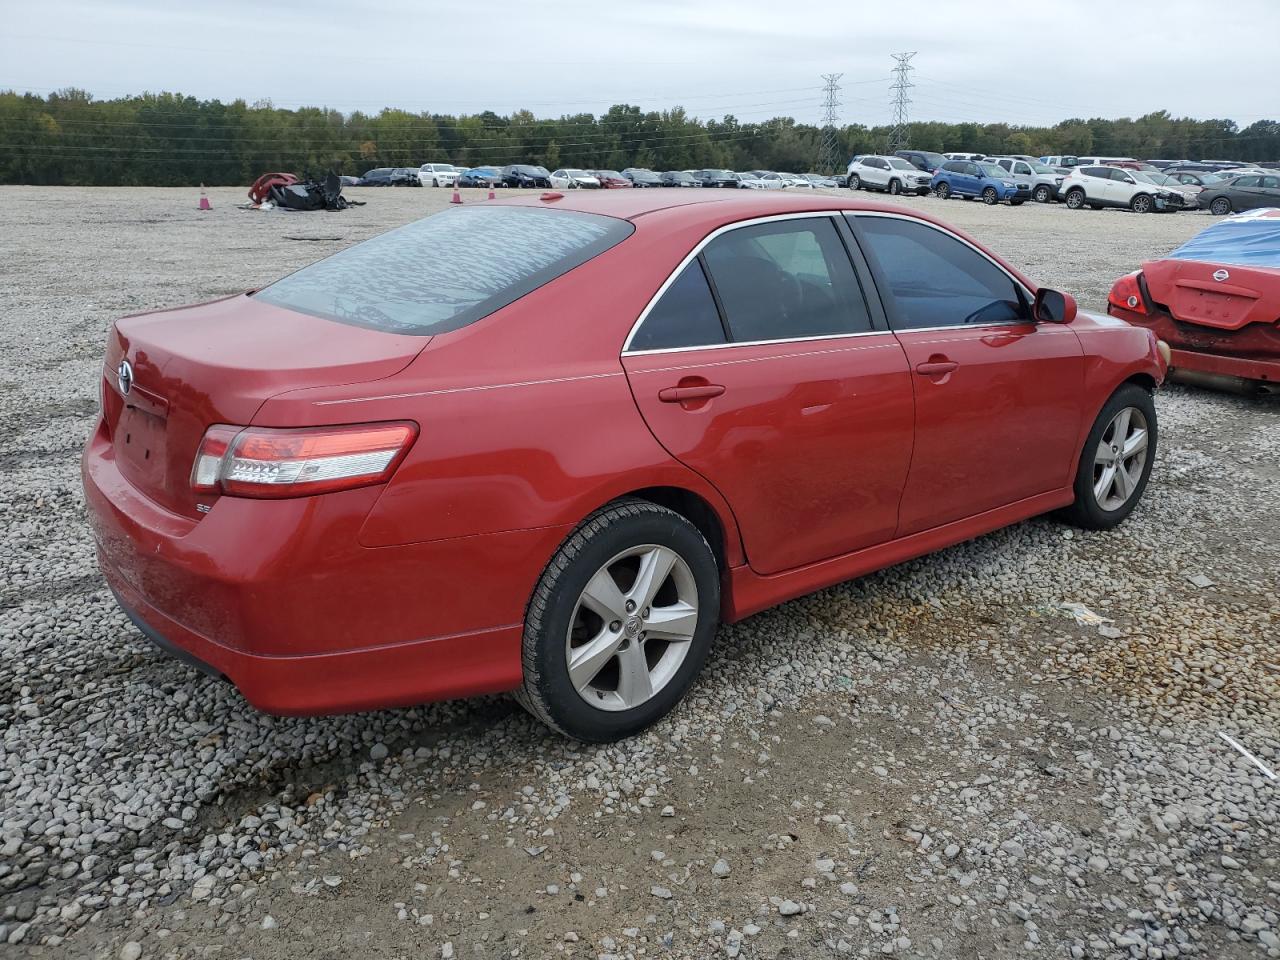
(1022, 62)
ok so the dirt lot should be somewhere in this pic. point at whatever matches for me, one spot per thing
(935, 761)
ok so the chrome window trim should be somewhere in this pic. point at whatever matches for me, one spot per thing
(954, 236)
(692, 255)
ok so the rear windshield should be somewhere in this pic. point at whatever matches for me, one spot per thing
(448, 270)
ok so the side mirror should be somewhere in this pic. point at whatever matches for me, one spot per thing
(1053, 306)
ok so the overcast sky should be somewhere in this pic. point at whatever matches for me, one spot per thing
(1023, 61)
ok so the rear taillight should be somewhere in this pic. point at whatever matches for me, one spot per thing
(270, 462)
(1127, 294)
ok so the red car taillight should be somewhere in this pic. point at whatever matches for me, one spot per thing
(1127, 294)
(267, 462)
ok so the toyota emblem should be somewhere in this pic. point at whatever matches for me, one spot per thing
(124, 377)
(1221, 275)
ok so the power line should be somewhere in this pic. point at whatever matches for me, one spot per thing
(830, 107)
(899, 135)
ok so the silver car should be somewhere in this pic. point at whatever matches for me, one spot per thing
(1042, 178)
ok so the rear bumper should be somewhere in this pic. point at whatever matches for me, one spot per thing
(1252, 353)
(1243, 367)
(280, 597)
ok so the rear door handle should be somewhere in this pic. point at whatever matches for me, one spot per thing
(685, 394)
(936, 368)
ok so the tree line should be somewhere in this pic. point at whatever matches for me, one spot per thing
(169, 139)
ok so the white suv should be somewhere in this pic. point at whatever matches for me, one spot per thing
(890, 174)
(1099, 187)
(438, 174)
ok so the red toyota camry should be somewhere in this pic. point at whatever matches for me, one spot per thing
(407, 472)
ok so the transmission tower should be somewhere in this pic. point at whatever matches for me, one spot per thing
(828, 156)
(899, 136)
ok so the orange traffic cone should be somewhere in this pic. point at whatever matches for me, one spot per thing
(492, 195)
(204, 200)
(457, 197)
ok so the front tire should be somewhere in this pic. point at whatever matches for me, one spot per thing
(895, 187)
(943, 190)
(620, 623)
(1075, 199)
(1116, 461)
(1220, 207)
(855, 182)
(1140, 204)
(1042, 194)
(990, 197)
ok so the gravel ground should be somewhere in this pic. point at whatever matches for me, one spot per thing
(934, 761)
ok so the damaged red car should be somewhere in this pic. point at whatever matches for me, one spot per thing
(1216, 302)
(407, 473)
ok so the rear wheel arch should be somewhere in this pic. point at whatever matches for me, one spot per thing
(694, 508)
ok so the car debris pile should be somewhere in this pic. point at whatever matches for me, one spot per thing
(286, 192)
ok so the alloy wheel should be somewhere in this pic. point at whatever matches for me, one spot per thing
(1042, 194)
(1075, 199)
(990, 197)
(1120, 459)
(1221, 206)
(632, 627)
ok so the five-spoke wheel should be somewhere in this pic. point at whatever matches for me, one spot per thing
(620, 623)
(632, 627)
(1116, 460)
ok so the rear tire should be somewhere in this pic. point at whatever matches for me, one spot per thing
(1075, 199)
(1042, 194)
(990, 197)
(942, 191)
(1109, 483)
(638, 673)
(1220, 207)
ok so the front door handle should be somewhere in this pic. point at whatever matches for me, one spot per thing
(936, 368)
(684, 394)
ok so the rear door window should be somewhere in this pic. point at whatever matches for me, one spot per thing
(684, 316)
(786, 279)
(448, 270)
(937, 280)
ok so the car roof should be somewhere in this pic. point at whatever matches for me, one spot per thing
(729, 205)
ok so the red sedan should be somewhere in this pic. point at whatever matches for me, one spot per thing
(408, 473)
(1216, 302)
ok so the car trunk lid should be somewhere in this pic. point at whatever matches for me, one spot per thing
(219, 362)
(1226, 298)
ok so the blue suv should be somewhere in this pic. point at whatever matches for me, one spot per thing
(975, 178)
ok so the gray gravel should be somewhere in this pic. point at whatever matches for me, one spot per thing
(935, 761)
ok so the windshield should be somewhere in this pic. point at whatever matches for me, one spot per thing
(993, 170)
(899, 164)
(424, 278)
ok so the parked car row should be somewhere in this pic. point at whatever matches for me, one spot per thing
(1097, 183)
(573, 178)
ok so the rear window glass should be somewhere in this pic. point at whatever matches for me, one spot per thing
(448, 270)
